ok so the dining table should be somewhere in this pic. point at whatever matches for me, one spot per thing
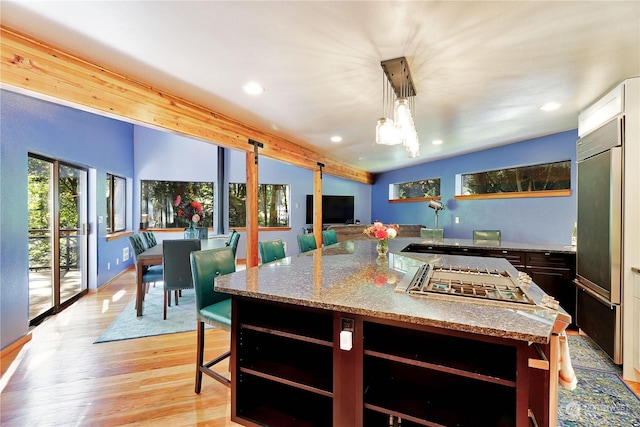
(154, 255)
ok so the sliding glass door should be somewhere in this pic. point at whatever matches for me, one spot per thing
(57, 235)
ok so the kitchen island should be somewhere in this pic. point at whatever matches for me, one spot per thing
(330, 337)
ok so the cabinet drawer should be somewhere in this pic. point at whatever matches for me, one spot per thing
(551, 260)
(516, 258)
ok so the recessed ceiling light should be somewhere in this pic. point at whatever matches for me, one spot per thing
(436, 142)
(253, 88)
(550, 106)
(336, 138)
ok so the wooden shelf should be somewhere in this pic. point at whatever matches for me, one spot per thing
(485, 361)
(429, 397)
(287, 360)
(277, 319)
(269, 403)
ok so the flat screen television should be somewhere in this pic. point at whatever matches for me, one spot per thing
(335, 209)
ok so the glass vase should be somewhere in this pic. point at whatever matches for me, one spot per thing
(191, 232)
(382, 247)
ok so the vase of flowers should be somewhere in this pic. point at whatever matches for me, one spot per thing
(382, 233)
(192, 212)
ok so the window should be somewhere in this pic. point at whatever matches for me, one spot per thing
(415, 190)
(546, 177)
(116, 204)
(273, 205)
(158, 202)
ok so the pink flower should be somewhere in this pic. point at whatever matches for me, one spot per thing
(381, 234)
(177, 202)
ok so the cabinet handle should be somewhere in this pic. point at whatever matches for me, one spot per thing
(542, 363)
(504, 252)
(547, 253)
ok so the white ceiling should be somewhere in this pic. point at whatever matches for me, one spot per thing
(481, 69)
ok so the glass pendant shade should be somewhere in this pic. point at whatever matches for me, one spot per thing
(402, 112)
(386, 132)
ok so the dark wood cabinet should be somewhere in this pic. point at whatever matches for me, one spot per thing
(288, 370)
(282, 367)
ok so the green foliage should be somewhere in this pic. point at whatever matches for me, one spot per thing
(158, 198)
(542, 177)
(273, 205)
(426, 188)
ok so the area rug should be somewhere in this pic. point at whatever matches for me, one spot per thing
(601, 397)
(180, 318)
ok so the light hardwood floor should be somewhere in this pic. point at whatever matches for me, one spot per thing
(60, 378)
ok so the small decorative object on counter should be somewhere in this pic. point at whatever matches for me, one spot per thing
(192, 212)
(574, 234)
(382, 233)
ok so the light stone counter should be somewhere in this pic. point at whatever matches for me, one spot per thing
(349, 277)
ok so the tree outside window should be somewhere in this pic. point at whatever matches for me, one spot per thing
(541, 177)
(158, 198)
(423, 189)
(273, 205)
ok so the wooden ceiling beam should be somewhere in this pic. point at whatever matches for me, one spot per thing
(34, 66)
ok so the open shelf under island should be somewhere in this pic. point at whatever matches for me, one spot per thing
(333, 337)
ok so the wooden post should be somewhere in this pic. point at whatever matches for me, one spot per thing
(317, 205)
(252, 206)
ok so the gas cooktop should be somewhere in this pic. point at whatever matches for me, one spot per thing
(454, 281)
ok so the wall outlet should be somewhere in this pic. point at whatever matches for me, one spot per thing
(108, 266)
(125, 254)
(457, 220)
(117, 261)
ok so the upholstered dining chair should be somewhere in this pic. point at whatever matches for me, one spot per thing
(203, 232)
(329, 237)
(271, 250)
(484, 235)
(177, 267)
(230, 237)
(213, 308)
(149, 238)
(307, 242)
(432, 233)
(233, 242)
(150, 273)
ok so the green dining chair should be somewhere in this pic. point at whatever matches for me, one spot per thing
(230, 238)
(329, 237)
(233, 242)
(432, 233)
(307, 242)
(149, 238)
(484, 235)
(212, 308)
(271, 250)
(150, 273)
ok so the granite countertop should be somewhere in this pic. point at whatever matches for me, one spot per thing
(501, 245)
(349, 277)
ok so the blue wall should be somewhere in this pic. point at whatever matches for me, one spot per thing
(544, 219)
(84, 139)
(106, 146)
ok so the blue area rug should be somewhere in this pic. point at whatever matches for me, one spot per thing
(601, 398)
(180, 318)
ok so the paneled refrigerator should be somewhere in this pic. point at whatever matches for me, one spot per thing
(600, 156)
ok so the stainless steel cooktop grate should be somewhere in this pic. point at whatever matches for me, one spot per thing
(493, 285)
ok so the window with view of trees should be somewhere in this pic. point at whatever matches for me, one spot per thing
(116, 203)
(158, 198)
(536, 178)
(423, 189)
(273, 205)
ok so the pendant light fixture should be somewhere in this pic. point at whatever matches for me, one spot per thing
(397, 125)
